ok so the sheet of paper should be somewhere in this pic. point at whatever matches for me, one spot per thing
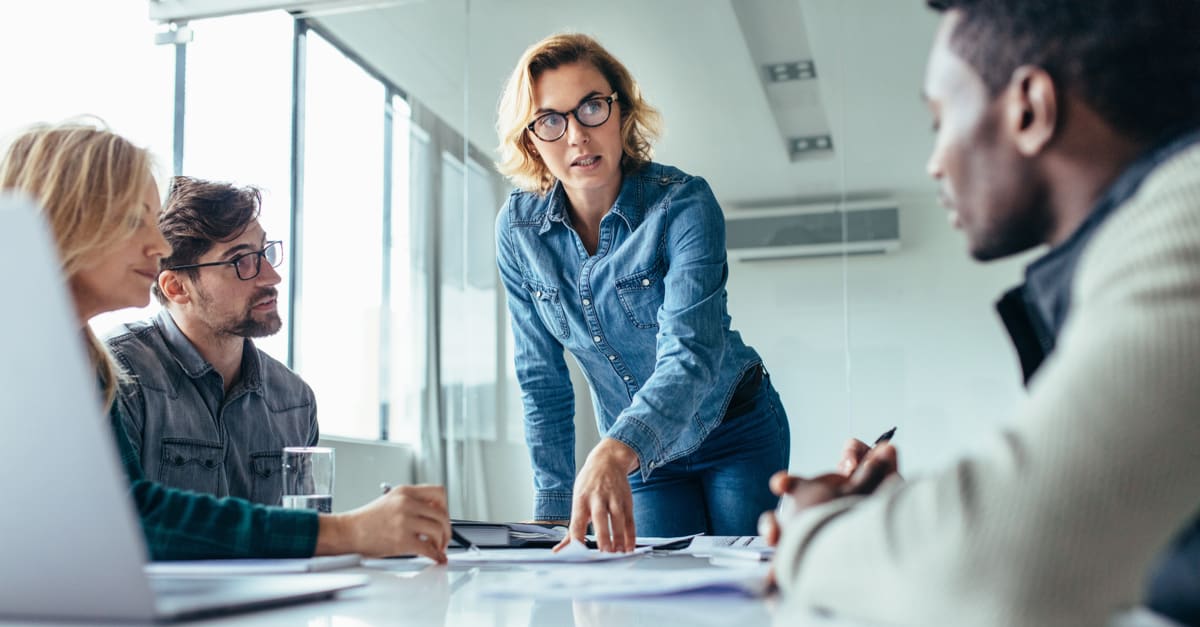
(580, 583)
(253, 566)
(573, 553)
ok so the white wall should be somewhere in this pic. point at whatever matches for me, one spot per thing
(359, 466)
(927, 352)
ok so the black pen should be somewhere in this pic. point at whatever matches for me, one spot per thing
(454, 534)
(886, 437)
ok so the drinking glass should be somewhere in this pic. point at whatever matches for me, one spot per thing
(308, 478)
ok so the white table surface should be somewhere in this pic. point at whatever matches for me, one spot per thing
(417, 593)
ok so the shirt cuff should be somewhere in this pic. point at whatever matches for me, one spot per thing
(288, 533)
(642, 439)
(552, 506)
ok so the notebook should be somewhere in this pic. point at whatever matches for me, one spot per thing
(71, 540)
(501, 535)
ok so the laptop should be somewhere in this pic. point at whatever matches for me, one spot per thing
(70, 540)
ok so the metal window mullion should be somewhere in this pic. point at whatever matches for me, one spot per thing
(180, 108)
(385, 300)
(296, 232)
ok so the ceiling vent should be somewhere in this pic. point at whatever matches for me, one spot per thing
(789, 71)
(855, 228)
(777, 43)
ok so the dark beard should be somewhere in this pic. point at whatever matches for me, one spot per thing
(251, 328)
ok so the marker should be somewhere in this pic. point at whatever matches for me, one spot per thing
(386, 487)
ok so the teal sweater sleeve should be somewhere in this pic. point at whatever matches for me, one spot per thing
(180, 524)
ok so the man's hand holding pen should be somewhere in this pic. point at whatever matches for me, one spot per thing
(861, 470)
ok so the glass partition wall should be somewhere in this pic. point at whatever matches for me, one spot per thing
(371, 132)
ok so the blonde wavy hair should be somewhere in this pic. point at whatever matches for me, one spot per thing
(89, 182)
(640, 123)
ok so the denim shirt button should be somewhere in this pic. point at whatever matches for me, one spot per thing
(626, 377)
(586, 302)
(645, 282)
(178, 460)
(596, 338)
(537, 294)
(612, 357)
(209, 463)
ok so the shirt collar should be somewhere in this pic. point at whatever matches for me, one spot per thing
(195, 365)
(1048, 280)
(627, 206)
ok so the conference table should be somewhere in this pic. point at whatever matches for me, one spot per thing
(418, 593)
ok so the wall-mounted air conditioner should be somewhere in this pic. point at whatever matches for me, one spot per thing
(819, 230)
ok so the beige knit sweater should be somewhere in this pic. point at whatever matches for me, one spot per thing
(1058, 520)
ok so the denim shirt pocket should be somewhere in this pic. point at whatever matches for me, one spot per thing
(265, 467)
(641, 295)
(549, 307)
(192, 464)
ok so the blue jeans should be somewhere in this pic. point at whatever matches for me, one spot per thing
(721, 488)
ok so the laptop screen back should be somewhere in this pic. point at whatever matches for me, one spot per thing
(70, 541)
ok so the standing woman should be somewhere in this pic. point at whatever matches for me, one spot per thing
(621, 261)
(99, 197)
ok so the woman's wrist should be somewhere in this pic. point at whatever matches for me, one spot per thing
(331, 535)
(619, 453)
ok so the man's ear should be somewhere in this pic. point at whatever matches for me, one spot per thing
(1031, 109)
(176, 289)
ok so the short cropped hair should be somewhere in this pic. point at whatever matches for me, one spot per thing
(1136, 62)
(198, 214)
(640, 122)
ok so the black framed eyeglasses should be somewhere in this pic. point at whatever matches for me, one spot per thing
(247, 265)
(593, 112)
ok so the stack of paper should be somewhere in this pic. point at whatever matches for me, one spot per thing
(581, 583)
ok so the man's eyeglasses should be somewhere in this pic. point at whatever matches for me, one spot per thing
(247, 265)
(593, 112)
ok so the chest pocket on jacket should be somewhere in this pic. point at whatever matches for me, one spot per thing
(545, 299)
(192, 464)
(641, 296)
(268, 485)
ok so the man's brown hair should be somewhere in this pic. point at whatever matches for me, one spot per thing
(198, 215)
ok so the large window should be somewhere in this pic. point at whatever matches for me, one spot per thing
(341, 276)
(112, 70)
(238, 122)
(468, 298)
(395, 307)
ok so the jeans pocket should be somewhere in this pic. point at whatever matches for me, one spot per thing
(641, 295)
(550, 309)
(191, 464)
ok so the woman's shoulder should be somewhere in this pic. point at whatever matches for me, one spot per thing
(523, 206)
(663, 174)
(667, 185)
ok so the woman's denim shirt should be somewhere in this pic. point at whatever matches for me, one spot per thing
(645, 317)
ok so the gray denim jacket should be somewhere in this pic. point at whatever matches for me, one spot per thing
(189, 434)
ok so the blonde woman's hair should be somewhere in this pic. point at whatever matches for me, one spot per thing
(640, 122)
(89, 183)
